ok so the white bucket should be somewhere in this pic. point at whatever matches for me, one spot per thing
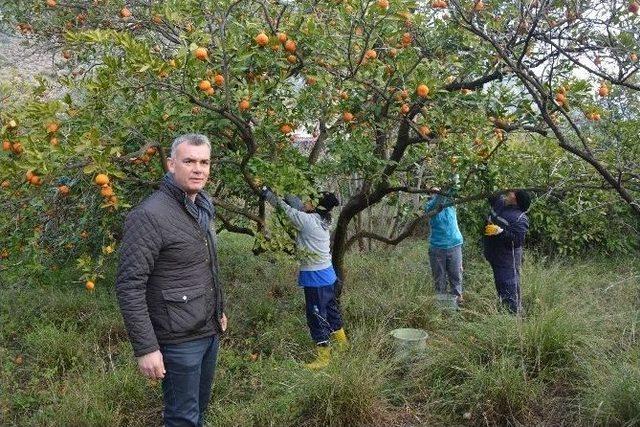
(409, 342)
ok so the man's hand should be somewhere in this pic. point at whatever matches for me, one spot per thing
(151, 365)
(492, 230)
(223, 322)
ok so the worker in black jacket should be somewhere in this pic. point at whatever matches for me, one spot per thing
(167, 284)
(504, 235)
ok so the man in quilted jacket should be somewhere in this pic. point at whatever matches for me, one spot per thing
(167, 284)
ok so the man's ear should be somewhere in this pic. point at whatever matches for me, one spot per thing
(170, 164)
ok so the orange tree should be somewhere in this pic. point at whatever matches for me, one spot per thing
(399, 98)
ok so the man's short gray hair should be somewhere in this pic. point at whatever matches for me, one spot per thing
(189, 138)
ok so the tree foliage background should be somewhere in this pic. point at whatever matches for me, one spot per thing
(535, 94)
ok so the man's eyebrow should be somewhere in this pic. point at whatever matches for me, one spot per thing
(186, 159)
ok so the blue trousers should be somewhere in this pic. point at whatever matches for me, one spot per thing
(446, 266)
(323, 313)
(186, 387)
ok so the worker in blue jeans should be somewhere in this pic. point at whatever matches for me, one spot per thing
(316, 275)
(445, 246)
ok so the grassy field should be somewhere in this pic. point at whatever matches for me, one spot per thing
(574, 359)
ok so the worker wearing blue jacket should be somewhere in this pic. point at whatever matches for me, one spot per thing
(445, 246)
(504, 235)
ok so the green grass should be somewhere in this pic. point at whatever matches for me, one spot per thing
(573, 359)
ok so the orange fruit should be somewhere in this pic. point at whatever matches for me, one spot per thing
(219, 79)
(282, 37)
(51, 3)
(53, 127)
(561, 98)
(125, 12)
(422, 90)
(344, 95)
(311, 80)
(101, 179)
(90, 285)
(383, 4)
(371, 54)
(244, 105)
(17, 148)
(211, 92)
(66, 54)
(6, 145)
(424, 130)
(201, 53)
(35, 180)
(290, 46)
(347, 116)
(106, 191)
(479, 6)
(603, 90)
(406, 39)
(29, 175)
(262, 39)
(157, 19)
(204, 85)
(63, 190)
(292, 59)
(285, 128)
(151, 151)
(404, 109)
(5, 184)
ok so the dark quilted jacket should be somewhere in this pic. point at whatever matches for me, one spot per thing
(167, 283)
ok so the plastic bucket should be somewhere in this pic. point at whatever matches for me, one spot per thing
(447, 301)
(409, 342)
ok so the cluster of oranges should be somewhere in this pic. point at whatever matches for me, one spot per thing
(106, 191)
(206, 86)
(15, 147)
(52, 131)
(32, 178)
(146, 157)
(290, 46)
(561, 97)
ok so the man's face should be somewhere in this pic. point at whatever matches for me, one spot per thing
(190, 167)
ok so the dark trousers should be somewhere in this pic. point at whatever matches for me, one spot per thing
(186, 387)
(507, 280)
(323, 314)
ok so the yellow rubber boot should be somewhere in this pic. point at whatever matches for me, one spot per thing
(322, 358)
(340, 338)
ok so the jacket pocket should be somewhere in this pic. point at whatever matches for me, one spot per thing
(185, 308)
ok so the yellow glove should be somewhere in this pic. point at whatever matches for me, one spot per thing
(492, 230)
